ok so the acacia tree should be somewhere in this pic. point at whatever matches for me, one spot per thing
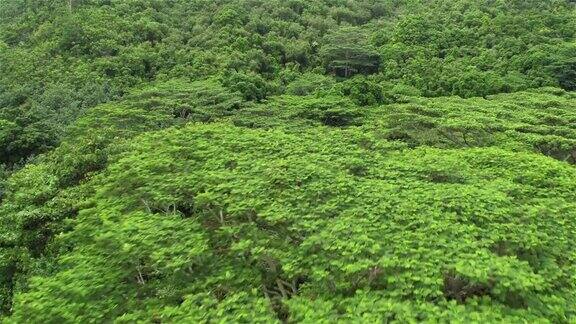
(347, 52)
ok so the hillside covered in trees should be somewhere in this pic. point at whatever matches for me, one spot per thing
(287, 161)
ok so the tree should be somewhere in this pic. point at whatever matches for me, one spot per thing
(347, 51)
(565, 72)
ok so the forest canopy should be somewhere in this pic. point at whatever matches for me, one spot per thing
(287, 161)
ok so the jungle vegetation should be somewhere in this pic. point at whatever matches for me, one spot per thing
(287, 161)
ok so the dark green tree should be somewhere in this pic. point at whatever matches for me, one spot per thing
(347, 51)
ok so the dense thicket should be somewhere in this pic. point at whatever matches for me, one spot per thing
(57, 61)
(296, 161)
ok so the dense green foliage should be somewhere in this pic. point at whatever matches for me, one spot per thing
(58, 62)
(287, 161)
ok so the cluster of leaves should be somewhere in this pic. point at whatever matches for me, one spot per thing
(326, 224)
(543, 121)
(63, 57)
(42, 195)
(298, 219)
(262, 161)
(489, 47)
(293, 113)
